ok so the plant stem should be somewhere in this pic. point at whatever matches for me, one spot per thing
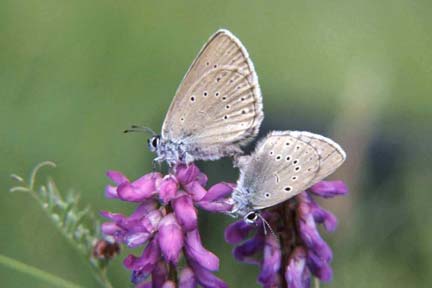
(316, 283)
(35, 272)
(100, 275)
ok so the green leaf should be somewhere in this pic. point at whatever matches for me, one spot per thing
(36, 273)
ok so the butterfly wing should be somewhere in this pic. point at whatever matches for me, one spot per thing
(286, 163)
(218, 106)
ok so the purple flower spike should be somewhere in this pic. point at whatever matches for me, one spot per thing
(296, 250)
(170, 238)
(167, 229)
(187, 278)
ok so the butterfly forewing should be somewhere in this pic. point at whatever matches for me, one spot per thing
(285, 164)
(218, 106)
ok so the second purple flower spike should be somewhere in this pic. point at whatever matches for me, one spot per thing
(296, 251)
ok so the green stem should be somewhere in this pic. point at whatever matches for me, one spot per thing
(101, 277)
(316, 282)
(35, 272)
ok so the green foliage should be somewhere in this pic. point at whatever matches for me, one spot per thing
(78, 226)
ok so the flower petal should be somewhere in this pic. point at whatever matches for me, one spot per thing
(187, 173)
(187, 278)
(217, 206)
(319, 267)
(218, 191)
(147, 261)
(202, 179)
(111, 192)
(185, 212)
(248, 249)
(110, 228)
(271, 262)
(168, 188)
(206, 277)
(133, 240)
(170, 237)
(148, 181)
(195, 189)
(138, 278)
(196, 252)
(296, 273)
(117, 177)
(168, 284)
(237, 232)
(116, 217)
(144, 209)
(151, 221)
(128, 192)
(159, 274)
(324, 217)
(310, 234)
(328, 189)
(144, 285)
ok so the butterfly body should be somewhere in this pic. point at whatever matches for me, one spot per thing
(284, 164)
(217, 108)
(169, 151)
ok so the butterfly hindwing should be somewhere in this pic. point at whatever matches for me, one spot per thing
(285, 164)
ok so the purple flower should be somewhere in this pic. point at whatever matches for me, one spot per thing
(296, 250)
(165, 224)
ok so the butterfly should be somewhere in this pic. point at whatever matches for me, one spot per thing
(217, 108)
(283, 164)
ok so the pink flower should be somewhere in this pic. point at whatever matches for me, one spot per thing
(167, 228)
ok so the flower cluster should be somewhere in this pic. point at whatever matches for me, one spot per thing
(295, 250)
(165, 222)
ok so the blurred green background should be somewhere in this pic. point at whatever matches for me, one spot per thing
(74, 74)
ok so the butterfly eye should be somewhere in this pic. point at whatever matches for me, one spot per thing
(153, 143)
(251, 217)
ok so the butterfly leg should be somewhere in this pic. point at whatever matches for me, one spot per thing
(240, 161)
(188, 158)
(156, 164)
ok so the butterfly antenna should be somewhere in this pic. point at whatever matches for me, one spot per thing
(137, 128)
(266, 225)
